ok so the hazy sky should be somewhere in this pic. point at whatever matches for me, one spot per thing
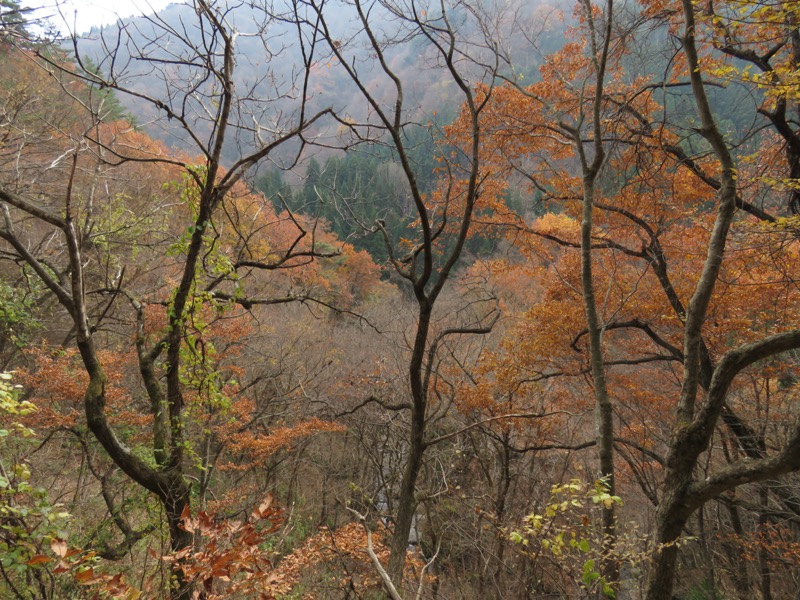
(81, 15)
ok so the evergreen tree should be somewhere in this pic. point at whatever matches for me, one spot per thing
(272, 184)
(103, 99)
(13, 23)
(309, 196)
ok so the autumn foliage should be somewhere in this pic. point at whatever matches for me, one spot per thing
(187, 347)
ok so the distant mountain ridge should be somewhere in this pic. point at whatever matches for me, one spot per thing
(268, 66)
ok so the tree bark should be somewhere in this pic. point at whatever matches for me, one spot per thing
(407, 502)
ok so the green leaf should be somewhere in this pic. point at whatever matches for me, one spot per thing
(589, 573)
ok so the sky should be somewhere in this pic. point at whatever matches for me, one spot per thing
(79, 16)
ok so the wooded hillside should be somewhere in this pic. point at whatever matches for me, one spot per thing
(402, 299)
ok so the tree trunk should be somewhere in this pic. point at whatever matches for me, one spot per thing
(407, 501)
(604, 418)
(671, 518)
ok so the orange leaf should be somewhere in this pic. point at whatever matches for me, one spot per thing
(61, 567)
(86, 577)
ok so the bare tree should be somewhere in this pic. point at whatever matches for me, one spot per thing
(194, 59)
(456, 39)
